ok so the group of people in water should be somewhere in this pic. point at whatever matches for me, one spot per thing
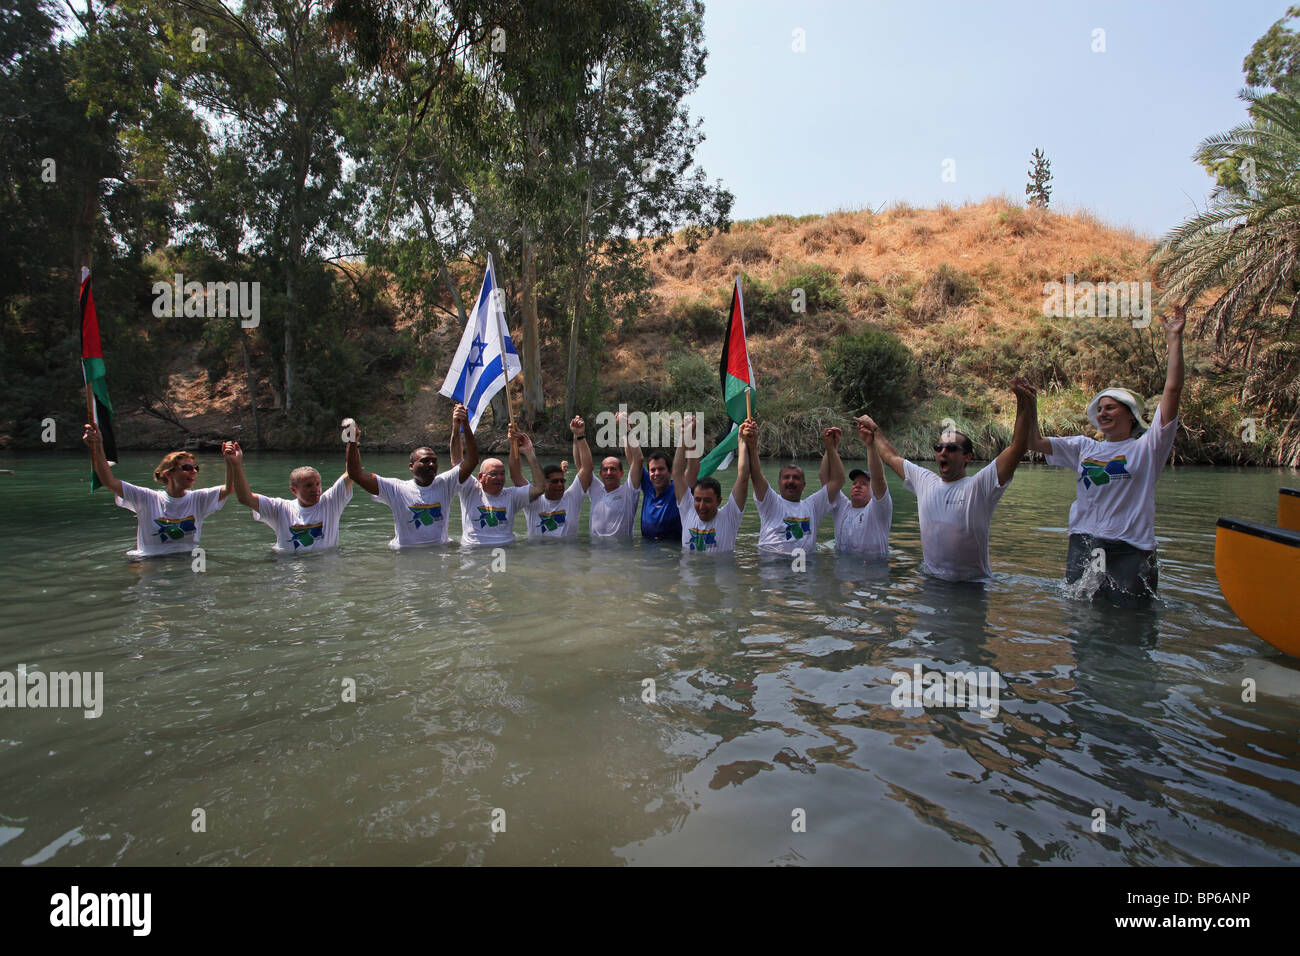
(1112, 521)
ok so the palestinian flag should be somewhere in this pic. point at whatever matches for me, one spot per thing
(737, 376)
(92, 369)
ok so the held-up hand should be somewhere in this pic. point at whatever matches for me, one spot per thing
(525, 443)
(91, 436)
(231, 451)
(831, 436)
(749, 431)
(1023, 390)
(578, 427)
(867, 432)
(1174, 323)
(688, 429)
(459, 416)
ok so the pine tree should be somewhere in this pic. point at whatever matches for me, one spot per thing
(1040, 175)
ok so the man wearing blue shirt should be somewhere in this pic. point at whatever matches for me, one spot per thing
(660, 520)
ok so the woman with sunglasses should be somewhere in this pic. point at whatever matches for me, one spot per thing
(168, 520)
(1112, 520)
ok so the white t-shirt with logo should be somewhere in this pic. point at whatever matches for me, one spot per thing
(786, 526)
(167, 525)
(612, 511)
(553, 520)
(716, 535)
(1117, 482)
(421, 514)
(954, 518)
(489, 519)
(864, 530)
(300, 530)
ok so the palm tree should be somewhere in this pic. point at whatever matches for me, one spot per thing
(1243, 252)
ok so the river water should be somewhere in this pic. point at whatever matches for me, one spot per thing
(505, 717)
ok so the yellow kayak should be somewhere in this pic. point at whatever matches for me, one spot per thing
(1258, 567)
(1288, 508)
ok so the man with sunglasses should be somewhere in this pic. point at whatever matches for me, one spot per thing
(955, 510)
(421, 504)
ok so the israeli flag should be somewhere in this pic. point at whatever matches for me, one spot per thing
(486, 358)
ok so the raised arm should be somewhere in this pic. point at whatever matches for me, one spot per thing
(104, 473)
(515, 461)
(745, 442)
(834, 467)
(755, 465)
(883, 448)
(581, 451)
(525, 445)
(635, 456)
(457, 455)
(679, 471)
(229, 486)
(355, 472)
(460, 425)
(1026, 411)
(689, 425)
(877, 467)
(234, 456)
(1174, 375)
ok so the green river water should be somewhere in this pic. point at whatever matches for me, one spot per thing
(501, 717)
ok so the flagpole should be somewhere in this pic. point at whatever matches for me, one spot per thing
(749, 409)
(90, 395)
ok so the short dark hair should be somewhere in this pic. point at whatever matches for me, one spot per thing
(551, 470)
(790, 466)
(711, 484)
(660, 456)
(417, 451)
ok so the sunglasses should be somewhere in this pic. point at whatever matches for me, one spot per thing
(188, 467)
(951, 447)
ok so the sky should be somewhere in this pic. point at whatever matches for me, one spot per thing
(885, 91)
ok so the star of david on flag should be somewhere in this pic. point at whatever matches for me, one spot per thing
(486, 358)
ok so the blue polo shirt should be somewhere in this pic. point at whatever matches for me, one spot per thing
(660, 519)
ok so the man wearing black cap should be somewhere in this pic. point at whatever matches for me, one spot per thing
(862, 518)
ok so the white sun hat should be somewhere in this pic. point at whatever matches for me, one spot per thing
(1125, 398)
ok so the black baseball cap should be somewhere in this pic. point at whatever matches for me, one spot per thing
(853, 475)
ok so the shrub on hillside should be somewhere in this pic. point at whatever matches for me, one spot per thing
(821, 288)
(872, 371)
(766, 311)
(692, 383)
(945, 288)
(703, 319)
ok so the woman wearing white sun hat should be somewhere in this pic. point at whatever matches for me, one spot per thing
(1115, 509)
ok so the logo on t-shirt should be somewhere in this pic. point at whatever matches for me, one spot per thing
(489, 517)
(424, 515)
(1094, 471)
(702, 538)
(173, 529)
(305, 535)
(551, 520)
(797, 528)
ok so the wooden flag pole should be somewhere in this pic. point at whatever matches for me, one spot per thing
(749, 408)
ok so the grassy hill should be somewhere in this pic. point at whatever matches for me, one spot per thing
(961, 287)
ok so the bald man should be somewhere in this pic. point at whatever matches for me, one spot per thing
(487, 506)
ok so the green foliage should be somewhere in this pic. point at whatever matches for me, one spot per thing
(821, 288)
(873, 372)
(706, 321)
(943, 289)
(692, 383)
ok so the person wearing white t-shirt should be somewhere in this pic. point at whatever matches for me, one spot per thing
(487, 506)
(1114, 512)
(307, 523)
(554, 515)
(863, 517)
(706, 528)
(613, 500)
(168, 520)
(421, 504)
(954, 510)
(788, 523)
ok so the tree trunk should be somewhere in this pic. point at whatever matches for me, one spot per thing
(532, 357)
(252, 389)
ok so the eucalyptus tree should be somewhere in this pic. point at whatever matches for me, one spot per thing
(274, 82)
